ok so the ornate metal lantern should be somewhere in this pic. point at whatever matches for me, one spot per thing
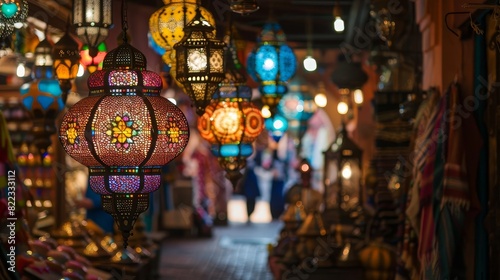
(12, 14)
(231, 122)
(42, 97)
(124, 132)
(66, 62)
(272, 63)
(244, 7)
(92, 19)
(167, 25)
(200, 62)
(342, 174)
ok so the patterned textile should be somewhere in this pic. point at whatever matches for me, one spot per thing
(431, 181)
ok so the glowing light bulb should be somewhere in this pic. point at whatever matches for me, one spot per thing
(358, 96)
(342, 108)
(310, 63)
(346, 171)
(81, 71)
(21, 70)
(338, 24)
(268, 64)
(266, 112)
(278, 124)
(320, 100)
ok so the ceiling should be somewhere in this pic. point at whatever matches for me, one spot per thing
(303, 21)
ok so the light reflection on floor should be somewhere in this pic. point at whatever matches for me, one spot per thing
(237, 211)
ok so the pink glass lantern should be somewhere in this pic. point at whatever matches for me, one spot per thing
(124, 132)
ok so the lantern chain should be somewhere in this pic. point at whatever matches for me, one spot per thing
(124, 21)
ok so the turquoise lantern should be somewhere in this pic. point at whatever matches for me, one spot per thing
(297, 106)
(42, 97)
(277, 126)
(272, 63)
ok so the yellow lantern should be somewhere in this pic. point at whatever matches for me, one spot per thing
(167, 24)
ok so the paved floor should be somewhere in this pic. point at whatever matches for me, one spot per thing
(235, 252)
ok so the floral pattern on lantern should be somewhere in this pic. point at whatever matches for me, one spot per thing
(271, 64)
(122, 131)
(199, 62)
(125, 128)
(72, 133)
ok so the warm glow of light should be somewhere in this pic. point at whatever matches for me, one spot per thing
(21, 70)
(320, 100)
(342, 108)
(81, 71)
(310, 63)
(266, 112)
(268, 64)
(346, 171)
(358, 96)
(338, 24)
(304, 167)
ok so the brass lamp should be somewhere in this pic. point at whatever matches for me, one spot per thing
(199, 61)
(66, 62)
(342, 171)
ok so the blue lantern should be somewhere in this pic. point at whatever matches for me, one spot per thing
(42, 97)
(153, 45)
(297, 106)
(277, 126)
(272, 63)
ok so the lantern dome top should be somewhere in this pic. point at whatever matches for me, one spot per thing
(124, 57)
(272, 33)
(124, 73)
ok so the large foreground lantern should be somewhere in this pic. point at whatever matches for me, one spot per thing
(199, 62)
(124, 132)
(272, 63)
(231, 122)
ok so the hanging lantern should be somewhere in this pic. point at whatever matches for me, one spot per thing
(167, 25)
(200, 62)
(13, 13)
(124, 132)
(93, 63)
(272, 63)
(342, 174)
(154, 46)
(42, 97)
(231, 122)
(66, 62)
(277, 126)
(244, 7)
(297, 107)
(92, 19)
